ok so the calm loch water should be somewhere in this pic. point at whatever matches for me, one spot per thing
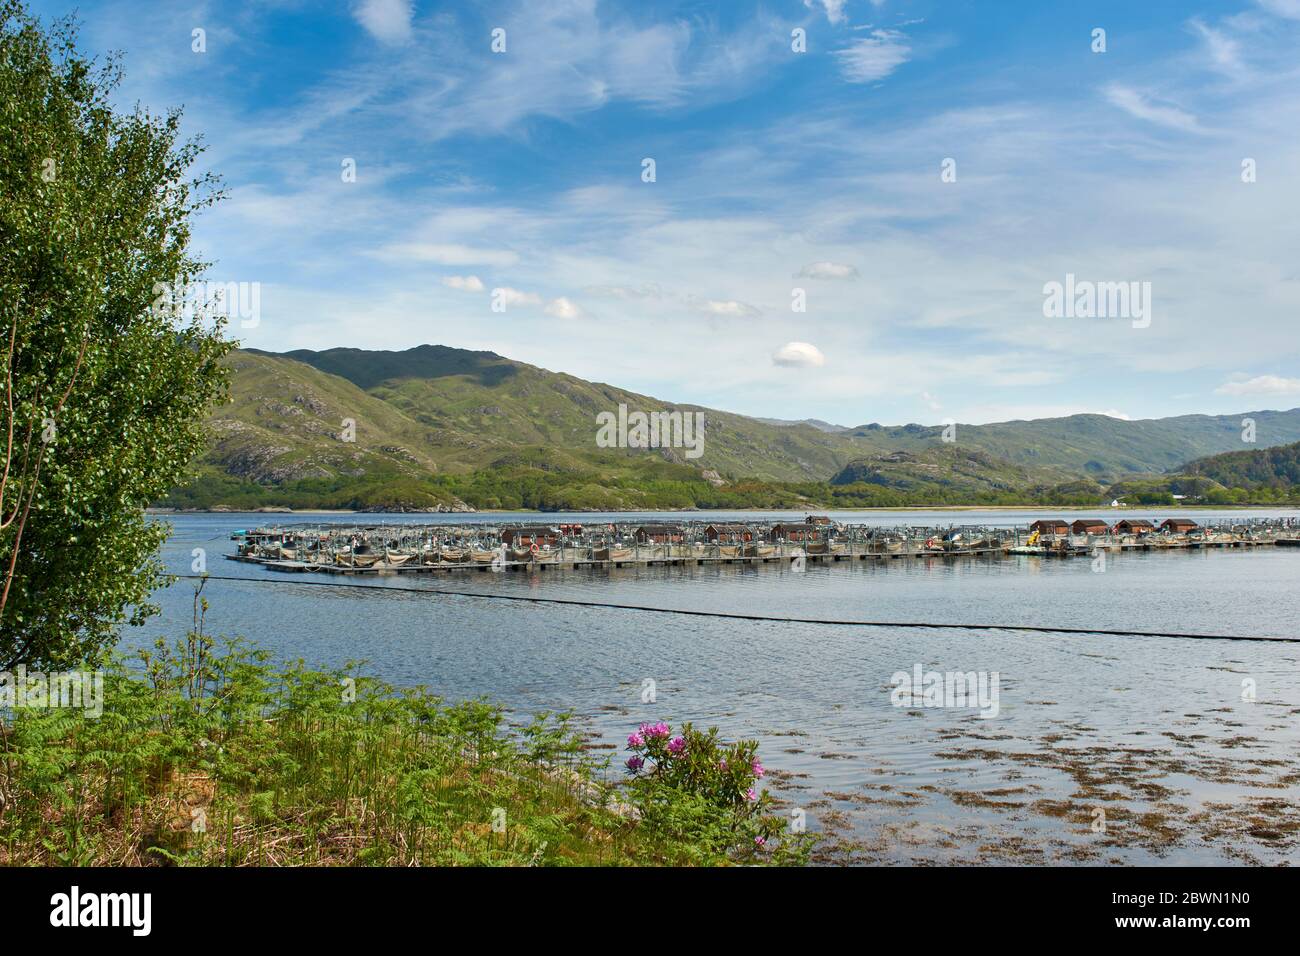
(1103, 749)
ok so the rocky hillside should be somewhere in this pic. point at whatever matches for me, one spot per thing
(421, 427)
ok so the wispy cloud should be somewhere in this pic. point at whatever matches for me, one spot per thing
(725, 308)
(464, 283)
(446, 254)
(827, 270)
(1261, 385)
(874, 57)
(834, 9)
(1282, 8)
(1224, 51)
(1138, 104)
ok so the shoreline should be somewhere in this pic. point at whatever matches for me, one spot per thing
(1083, 509)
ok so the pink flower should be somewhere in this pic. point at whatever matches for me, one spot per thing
(760, 841)
(757, 768)
(676, 745)
(635, 740)
(655, 730)
(635, 763)
(750, 794)
(722, 765)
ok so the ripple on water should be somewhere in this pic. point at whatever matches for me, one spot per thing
(1103, 749)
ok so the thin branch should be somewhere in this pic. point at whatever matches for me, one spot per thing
(9, 397)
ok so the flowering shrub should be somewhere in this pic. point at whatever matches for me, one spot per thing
(695, 789)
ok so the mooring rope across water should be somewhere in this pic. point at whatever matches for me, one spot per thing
(731, 615)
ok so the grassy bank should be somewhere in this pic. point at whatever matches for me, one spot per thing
(214, 756)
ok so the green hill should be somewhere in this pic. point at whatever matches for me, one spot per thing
(945, 466)
(1258, 468)
(478, 405)
(437, 427)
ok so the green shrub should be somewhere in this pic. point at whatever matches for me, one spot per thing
(695, 791)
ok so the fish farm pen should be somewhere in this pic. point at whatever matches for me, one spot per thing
(413, 549)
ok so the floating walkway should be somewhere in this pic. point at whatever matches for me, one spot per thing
(411, 549)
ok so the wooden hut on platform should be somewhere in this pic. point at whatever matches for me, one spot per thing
(1089, 526)
(659, 534)
(1134, 526)
(728, 533)
(793, 532)
(528, 535)
(1050, 526)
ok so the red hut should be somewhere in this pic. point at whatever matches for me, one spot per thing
(659, 534)
(1050, 526)
(525, 537)
(1134, 526)
(729, 532)
(1089, 526)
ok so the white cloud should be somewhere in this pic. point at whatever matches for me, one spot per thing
(563, 308)
(827, 270)
(728, 308)
(1261, 385)
(1225, 52)
(388, 21)
(508, 296)
(873, 57)
(1290, 9)
(834, 9)
(1137, 104)
(799, 355)
(447, 254)
(464, 283)
(648, 290)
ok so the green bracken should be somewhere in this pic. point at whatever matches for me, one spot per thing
(209, 754)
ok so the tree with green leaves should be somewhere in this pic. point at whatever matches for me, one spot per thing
(104, 392)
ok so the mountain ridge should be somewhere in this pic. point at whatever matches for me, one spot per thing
(434, 419)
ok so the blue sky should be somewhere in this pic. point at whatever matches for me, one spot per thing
(775, 170)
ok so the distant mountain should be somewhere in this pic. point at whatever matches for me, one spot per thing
(422, 427)
(1099, 446)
